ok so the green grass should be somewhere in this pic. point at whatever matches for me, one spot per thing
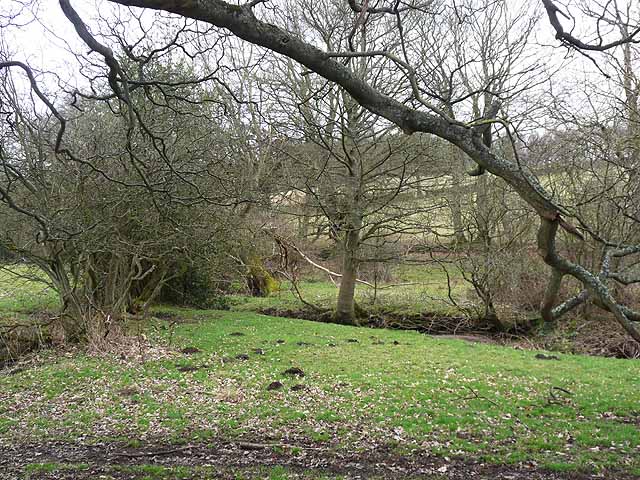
(38, 468)
(419, 289)
(399, 389)
(20, 295)
(416, 289)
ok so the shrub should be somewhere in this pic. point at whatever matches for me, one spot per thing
(195, 287)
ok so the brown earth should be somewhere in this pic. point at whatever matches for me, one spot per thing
(226, 459)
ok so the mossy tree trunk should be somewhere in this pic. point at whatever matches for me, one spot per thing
(260, 282)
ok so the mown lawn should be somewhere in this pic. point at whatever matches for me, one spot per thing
(362, 390)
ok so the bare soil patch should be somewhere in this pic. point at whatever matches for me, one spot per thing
(225, 458)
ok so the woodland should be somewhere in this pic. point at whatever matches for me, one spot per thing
(319, 239)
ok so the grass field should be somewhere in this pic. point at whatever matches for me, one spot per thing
(363, 390)
(206, 394)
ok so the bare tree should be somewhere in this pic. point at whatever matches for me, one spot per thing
(418, 111)
(108, 216)
(348, 168)
(425, 116)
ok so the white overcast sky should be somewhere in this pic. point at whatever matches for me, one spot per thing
(44, 39)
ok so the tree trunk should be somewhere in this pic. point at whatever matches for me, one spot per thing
(73, 322)
(456, 218)
(346, 308)
(456, 193)
(483, 211)
(259, 280)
